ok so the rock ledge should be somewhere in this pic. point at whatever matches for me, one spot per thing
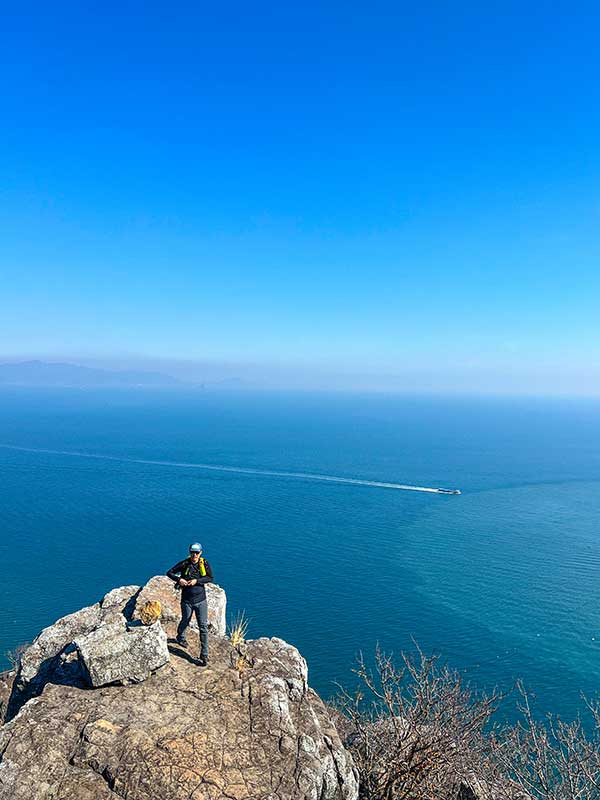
(248, 726)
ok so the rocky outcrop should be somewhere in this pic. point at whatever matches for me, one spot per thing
(42, 658)
(246, 726)
(53, 657)
(162, 589)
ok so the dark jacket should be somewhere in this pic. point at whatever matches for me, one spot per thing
(192, 594)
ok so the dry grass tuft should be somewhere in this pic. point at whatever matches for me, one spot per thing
(238, 629)
(150, 612)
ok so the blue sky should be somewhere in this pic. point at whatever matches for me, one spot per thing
(366, 195)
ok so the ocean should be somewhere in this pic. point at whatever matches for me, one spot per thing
(501, 581)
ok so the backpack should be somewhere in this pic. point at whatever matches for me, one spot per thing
(187, 565)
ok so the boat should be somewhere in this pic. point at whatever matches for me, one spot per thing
(448, 491)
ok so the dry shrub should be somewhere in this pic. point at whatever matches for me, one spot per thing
(548, 759)
(150, 612)
(417, 732)
(14, 655)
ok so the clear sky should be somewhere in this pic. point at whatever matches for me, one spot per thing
(406, 195)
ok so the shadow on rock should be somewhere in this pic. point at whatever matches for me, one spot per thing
(176, 650)
(64, 669)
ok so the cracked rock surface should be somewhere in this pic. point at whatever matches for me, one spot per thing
(245, 726)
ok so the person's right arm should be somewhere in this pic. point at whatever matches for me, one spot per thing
(175, 572)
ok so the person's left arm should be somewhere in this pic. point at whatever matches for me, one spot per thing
(208, 578)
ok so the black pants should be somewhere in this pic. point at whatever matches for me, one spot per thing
(200, 609)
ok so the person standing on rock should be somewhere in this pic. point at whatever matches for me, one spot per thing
(192, 574)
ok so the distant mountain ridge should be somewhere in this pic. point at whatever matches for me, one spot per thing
(43, 373)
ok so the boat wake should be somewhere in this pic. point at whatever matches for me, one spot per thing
(236, 470)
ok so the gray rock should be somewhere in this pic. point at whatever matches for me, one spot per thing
(163, 589)
(6, 684)
(39, 657)
(247, 727)
(52, 657)
(116, 653)
(120, 599)
(279, 686)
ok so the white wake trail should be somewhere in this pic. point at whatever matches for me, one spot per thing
(237, 470)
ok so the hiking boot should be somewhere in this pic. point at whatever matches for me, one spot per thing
(182, 642)
(202, 661)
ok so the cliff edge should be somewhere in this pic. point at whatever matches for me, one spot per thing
(103, 707)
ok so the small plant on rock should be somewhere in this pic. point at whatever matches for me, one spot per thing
(238, 629)
(237, 636)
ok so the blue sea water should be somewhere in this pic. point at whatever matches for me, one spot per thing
(501, 581)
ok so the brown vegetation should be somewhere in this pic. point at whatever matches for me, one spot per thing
(150, 612)
(14, 655)
(418, 732)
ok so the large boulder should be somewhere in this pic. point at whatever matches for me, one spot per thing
(52, 656)
(39, 658)
(162, 589)
(118, 653)
(245, 727)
